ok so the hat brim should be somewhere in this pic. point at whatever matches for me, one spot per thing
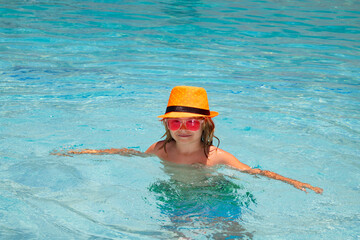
(186, 115)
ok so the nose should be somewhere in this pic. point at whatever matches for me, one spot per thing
(183, 125)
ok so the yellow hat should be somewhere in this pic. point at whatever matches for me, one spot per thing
(185, 101)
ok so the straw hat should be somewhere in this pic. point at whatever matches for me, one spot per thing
(185, 101)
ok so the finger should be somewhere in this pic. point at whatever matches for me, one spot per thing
(318, 190)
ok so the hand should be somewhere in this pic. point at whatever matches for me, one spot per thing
(56, 153)
(72, 152)
(303, 186)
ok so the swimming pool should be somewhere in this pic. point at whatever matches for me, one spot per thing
(95, 74)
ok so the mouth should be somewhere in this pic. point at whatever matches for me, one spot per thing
(183, 135)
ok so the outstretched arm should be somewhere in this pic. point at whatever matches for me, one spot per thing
(229, 159)
(121, 151)
(299, 185)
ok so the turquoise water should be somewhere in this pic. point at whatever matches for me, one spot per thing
(95, 74)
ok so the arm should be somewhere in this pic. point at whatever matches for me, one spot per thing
(152, 150)
(122, 151)
(229, 159)
(299, 185)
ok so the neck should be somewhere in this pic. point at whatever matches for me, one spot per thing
(188, 148)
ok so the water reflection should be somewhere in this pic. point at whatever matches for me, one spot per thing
(181, 10)
(199, 201)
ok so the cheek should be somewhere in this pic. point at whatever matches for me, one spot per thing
(171, 133)
(199, 133)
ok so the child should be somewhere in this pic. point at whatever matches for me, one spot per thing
(189, 137)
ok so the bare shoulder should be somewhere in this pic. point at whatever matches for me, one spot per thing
(155, 148)
(219, 156)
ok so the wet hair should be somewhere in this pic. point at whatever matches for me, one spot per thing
(207, 136)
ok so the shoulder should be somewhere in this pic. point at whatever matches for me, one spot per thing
(219, 156)
(155, 148)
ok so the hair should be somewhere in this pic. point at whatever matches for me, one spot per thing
(207, 136)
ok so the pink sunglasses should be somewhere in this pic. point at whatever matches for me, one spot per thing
(192, 124)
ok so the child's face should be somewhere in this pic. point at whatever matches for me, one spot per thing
(185, 129)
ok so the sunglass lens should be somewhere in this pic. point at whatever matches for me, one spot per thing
(193, 124)
(174, 124)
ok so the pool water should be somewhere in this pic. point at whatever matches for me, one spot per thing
(284, 76)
